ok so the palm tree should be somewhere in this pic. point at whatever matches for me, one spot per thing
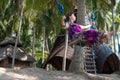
(101, 15)
(76, 63)
(33, 43)
(6, 18)
(19, 12)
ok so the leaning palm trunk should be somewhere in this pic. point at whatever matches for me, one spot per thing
(76, 63)
(19, 6)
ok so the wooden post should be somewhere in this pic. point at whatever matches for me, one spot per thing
(113, 25)
(65, 51)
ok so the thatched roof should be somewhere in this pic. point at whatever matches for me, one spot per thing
(10, 41)
(57, 53)
(20, 54)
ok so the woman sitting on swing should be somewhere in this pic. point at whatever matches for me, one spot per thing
(76, 29)
(69, 22)
(107, 64)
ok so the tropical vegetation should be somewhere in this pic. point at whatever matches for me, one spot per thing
(37, 22)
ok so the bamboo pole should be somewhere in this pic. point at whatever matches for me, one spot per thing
(65, 51)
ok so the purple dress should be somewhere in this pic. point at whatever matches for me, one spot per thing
(74, 31)
(91, 36)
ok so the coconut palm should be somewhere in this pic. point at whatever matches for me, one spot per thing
(19, 12)
(101, 15)
(76, 63)
(6, 19)
(44, 13)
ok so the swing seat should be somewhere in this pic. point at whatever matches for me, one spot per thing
(79, 42)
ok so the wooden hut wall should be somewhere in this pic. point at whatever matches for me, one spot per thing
(7, 63)
(20, 64)
(4, 63)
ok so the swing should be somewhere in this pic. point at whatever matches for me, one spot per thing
(61, 10)
(92, 18)
(60, 7)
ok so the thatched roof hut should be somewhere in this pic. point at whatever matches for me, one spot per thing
(56, 55)
(110, 63)
(20, 54)
(22, 59)
(10, 41)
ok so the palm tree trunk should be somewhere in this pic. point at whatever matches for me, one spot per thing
(47, 47)
(81, 12)
(76, 63)
(43, 51)
(113, 24)
(20, 13)
(33, 43)
(13, 34)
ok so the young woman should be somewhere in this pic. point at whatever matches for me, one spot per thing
(68, 22)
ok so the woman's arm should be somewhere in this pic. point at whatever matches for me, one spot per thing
(87, 27)
(63, 22)
(65, 25)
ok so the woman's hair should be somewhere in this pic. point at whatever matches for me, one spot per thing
(70, 13)
(68, 16)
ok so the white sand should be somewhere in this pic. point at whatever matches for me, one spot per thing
(40, 74)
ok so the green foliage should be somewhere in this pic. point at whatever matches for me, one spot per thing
(40, 4)
(68, 6)
(3, 4)
(49, 19)
(118, 8)
(117, 19)
(16, 24)
(6, 18)
(28, 4)
(44, 13)
(38, 57)
(38, 13)
(38, 62)
(2, 25)
(103, 16)
(25, 35)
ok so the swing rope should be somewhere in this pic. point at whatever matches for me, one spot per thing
(61, 10)
(60, 7)
(92, 16)
(118, 43)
